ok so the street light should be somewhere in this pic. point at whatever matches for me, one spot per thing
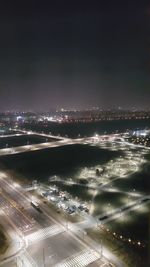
(66, 222)
(44, 257)
(19, 262)
(84, 233)
(97, 223)
(120, 212)
(101, 253)
(109, 205)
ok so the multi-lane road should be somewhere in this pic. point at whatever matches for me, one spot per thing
(61, 141)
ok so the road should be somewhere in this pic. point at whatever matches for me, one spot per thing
(61, 142)
(27, 148)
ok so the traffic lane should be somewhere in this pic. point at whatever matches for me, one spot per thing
(100, 263)
(17, 218)
(9, 264)
(27, 148)
(34, 220)
(25, 205)
(16, 193)
(40, 218)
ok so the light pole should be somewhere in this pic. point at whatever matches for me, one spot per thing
(44, 265)
(44, 257)
(67, 221)
(20, 263)
(109, 205)
(120, 212)
(97, 223)
(84, 233)
(101, 252)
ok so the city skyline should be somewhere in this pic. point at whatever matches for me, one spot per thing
(74, 55)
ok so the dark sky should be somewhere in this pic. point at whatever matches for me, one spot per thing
(78, 54)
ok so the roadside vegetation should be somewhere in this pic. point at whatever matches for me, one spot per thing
(130, 255)
(3, 241)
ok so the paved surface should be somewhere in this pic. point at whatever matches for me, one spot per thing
(43, 234)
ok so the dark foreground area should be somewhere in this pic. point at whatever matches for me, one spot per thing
(59, 160)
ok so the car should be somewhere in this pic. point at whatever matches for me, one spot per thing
(80, 207)
(70, 211)
(86, 210)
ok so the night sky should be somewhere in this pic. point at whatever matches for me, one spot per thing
(74, 54)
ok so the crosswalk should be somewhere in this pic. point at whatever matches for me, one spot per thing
(43, 234)
(80, 259)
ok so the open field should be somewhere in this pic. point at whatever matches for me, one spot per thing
(135, 225)
(130, 255)
(140, 181)
(60, 160)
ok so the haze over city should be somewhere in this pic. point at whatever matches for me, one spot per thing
(74, 54)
